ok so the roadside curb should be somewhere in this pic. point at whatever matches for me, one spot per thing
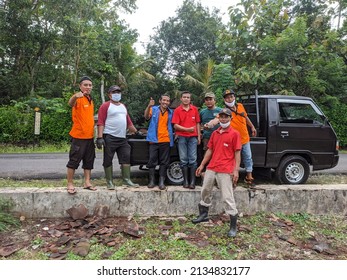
(176, 201)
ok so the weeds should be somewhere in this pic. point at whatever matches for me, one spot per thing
(6, 219)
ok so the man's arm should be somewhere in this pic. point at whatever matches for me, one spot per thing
(237, 167)
(206, 159)
(73, 99)
(182, 128)
(250, 124)
(147, 113)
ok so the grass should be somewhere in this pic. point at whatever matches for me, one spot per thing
(6, 219)
(34, 148)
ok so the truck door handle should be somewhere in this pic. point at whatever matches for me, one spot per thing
(284, 134)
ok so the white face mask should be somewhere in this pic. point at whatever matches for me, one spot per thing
(230, 104)
(224, 125)
(116, 97)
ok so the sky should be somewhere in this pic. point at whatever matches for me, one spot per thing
(151, 12)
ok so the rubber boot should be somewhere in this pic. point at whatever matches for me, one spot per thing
(233, 226)
(162, 183)
(192, 178)
(203, 215)
(126, 177)
(185, 177)
(151, 174)
(109, 177)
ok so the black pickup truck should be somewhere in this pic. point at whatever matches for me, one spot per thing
(293, 137)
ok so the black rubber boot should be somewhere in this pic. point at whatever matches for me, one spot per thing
(185, 177)
(151, 174)
(233, 226)
(109, 177)
(192, 178)
(162, 183)
(203, 215)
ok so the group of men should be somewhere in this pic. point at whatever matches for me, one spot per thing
(222, 133)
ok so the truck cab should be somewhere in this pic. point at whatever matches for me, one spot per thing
(293, 136)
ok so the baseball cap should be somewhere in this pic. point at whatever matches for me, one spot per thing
(227, 92)
(85, 78)
(209, 94)
(114, 88)
(225, 111)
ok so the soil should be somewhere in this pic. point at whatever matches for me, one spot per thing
(268, 237)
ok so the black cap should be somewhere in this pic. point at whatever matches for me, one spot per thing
(85, 78)
(114, 88)
(227, 92)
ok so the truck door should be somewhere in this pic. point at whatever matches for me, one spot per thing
(303, 129)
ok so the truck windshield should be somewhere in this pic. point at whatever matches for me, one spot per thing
(303, 112)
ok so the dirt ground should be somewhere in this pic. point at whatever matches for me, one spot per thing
(260, 237)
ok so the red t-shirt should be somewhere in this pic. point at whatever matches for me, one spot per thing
(223, 146)
(186, 118)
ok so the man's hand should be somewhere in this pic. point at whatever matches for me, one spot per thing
(100, 142)
(79, 95)
(151, 102)
(235, 177)
(138, 133)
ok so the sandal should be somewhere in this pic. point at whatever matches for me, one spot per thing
(91, 188)
(71, 190)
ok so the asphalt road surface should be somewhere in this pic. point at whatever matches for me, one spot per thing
(53, 166)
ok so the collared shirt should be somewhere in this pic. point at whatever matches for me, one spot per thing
(83, 119)
(223, 145)
(186, 118)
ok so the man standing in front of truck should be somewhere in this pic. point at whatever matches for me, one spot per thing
(160, 138)
(186, 121)
(223, 162)
(240, 121)
(207, 114)
(113, 122)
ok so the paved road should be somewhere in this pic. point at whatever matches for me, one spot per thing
(49, 166)
(52, 166)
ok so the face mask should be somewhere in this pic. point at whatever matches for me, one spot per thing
(230, 104)
(224, 125)
(116, 97)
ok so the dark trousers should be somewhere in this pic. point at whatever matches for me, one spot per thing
(159, 153)
(116, 145)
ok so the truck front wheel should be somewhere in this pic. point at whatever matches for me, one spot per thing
(174, 173)
(293, 170)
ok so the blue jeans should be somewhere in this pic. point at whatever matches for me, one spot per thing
(246, 155)
(187, 150)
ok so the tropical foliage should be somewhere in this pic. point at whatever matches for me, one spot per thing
(275, 46)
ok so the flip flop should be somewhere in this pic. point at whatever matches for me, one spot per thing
(91, 188)
(71, 190)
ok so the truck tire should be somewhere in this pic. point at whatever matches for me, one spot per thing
(174, 173)
(293, 170)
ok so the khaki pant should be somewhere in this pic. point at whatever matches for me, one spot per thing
(225, 184)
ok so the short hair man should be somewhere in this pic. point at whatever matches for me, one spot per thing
(223, 158)
(160, 138)
(113, 122)
(207, 114)
(82, 135)
(186, 121)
